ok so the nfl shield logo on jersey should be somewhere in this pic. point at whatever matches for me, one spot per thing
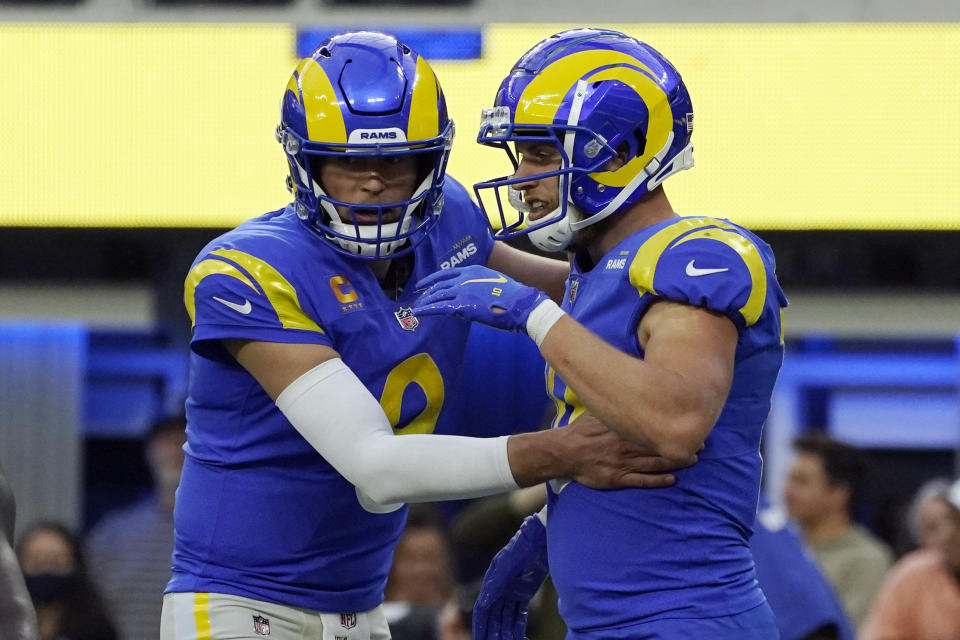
(261, 625)
(574, 287)
(348, 620)
(406, 318)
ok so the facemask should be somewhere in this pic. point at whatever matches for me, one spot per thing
(45, 588)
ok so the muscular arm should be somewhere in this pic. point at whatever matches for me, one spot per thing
(546, 274)
(331, 408)
(670, 399)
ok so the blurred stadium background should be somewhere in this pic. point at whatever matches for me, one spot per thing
(133, 131)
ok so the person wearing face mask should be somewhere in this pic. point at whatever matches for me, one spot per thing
(130, 548)
(67, 603)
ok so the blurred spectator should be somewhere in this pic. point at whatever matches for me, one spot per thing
(67, 603)
(130, 548)
(822, 485)
(920, 599)
(17, 618)
(929, 512)
(803, 601)
(481, 529)
(421, 577)
(456, 617)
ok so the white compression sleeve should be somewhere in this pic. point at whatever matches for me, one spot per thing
(342, 420)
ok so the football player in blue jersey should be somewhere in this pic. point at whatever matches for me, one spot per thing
(669, 334)
(306, 361)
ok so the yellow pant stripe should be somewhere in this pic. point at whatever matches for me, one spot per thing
(201, 615)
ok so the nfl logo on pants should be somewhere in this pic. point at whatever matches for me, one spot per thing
(348, 620)
(261, 625)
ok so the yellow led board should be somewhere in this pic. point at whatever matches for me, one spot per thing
(141, 125)
(798, 126)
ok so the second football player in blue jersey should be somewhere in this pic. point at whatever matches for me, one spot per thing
(307, 361)
(669, 333)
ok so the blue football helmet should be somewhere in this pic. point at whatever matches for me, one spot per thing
(365, 93)
(591, 93)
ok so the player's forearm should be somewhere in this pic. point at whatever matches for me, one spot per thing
(538, 457)
(427, 468)
(339, 417)
(648, 404)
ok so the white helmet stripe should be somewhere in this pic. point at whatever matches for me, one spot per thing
(570, 137)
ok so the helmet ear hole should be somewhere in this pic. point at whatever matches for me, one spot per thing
(641, 141)
(622, 157)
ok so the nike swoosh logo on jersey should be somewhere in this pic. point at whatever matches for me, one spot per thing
(500, 279)
(696, 271)
(244, 308)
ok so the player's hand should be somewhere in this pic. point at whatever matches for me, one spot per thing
(514, 576)
(603, 459)
(478, 294)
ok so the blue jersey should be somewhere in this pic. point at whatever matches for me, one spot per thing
(259, 512)
(628, 557)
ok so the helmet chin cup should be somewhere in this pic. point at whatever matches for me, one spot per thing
(371, 249)
(552, 232)
(557, 235)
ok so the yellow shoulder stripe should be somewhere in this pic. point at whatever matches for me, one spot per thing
(644, 264)
(203, 269)
(280, 293)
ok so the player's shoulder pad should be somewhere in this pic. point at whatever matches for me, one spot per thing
(706, 262)
(242, 278)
